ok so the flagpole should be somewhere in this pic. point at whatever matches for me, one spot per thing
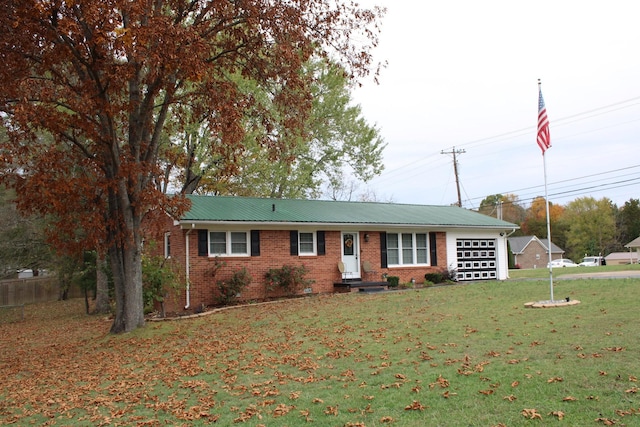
(546, 198)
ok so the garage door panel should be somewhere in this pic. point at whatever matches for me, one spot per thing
(477, 259)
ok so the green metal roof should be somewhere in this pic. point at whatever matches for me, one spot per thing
(209, 209)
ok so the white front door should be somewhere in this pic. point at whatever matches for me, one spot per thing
(350, 255)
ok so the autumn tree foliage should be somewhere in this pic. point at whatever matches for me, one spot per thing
(89, 87)
(503, 206)
(535, 221)
(591, 226)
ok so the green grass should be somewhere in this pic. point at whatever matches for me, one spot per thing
(464, 355)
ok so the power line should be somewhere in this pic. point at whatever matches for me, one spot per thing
(517, 191)
(606, 109)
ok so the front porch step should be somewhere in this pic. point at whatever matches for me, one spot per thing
(360, 286)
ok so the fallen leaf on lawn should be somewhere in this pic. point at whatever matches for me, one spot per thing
(448, 394)
(569, 399)
(306, 414)
(282, 410)
(615, 349)
(415, 406)
(532, 414)
(486, 392)
(607, 421)
(632, 390)
(515, 384)
(331, 410)
(510, 398)
(442, 382)
(386, 420)
(316, 400)
(558, 414)
(555, 380)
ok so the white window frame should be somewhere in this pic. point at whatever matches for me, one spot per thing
(314, 244)
(228, 243)
(414, 249)
(167, 244)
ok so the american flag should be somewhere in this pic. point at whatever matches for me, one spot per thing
(544, 139)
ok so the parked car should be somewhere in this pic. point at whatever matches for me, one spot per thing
(562, 262)
(592, 261)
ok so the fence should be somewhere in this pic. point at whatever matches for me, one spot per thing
(36, 289)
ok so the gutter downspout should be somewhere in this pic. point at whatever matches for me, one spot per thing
(186, 245)
(507, 248)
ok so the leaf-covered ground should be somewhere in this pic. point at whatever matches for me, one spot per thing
(460, 355)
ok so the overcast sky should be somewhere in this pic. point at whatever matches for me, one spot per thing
(464, 73)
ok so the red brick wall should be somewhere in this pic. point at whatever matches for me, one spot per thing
(535, 256)
(274, 253)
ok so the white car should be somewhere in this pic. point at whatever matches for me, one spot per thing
(562, 262)
(592, 261)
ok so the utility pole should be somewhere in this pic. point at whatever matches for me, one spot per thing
(455, 169)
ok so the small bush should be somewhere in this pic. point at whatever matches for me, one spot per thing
(229, 289)
(158, 278)
(394, 281)
(434, 277)
(289, 278)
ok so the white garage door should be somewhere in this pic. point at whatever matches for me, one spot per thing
(477, 259)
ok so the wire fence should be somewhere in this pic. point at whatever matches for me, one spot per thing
(17, 292)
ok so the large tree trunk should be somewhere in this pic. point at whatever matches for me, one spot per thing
(102, 285)
(126, 264)
(125, 253)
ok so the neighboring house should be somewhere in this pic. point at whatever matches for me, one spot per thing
(634, 245)
(531, 252)
(622, 258)
(382, 238)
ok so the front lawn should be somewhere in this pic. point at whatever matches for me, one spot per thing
(451, 356)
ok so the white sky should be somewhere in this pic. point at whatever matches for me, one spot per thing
(464, 73)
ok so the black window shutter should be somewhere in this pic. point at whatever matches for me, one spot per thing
(383, 249)
(321, 245)
(293, 242)
(255, 242)
(203, 242)
(433, 253)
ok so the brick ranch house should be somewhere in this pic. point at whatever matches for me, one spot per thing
(368, 239)
(532, 252)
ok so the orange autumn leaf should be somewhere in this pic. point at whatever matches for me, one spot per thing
(606, 421)
(415, 406)
(531, 414)
(331, 410)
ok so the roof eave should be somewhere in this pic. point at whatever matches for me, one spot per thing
(188, 224)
